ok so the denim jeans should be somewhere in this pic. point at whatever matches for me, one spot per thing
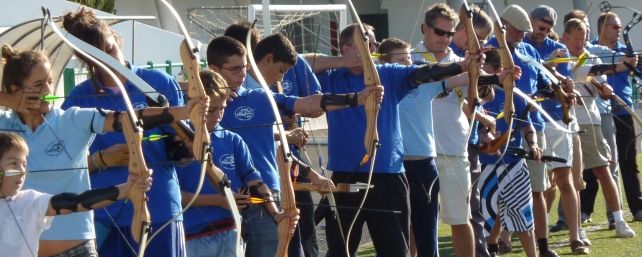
(217, 245)
(86, 249)
(260, 232)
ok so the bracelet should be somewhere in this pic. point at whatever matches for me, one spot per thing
(99, 163)
(443, 86)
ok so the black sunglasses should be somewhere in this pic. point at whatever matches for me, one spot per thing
(441, 32)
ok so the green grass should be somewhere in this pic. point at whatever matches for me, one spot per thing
(603, 240)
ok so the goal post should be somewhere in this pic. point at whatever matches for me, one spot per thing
(311, 28)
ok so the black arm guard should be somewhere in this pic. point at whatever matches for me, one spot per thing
(339, 100)
(67, 201)
(87, 199)
(435, 72)
(90, 197)
(152, 121)
(489, 80)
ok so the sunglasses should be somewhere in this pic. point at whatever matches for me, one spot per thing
(237, 69)
(11, 173)
(441, 32)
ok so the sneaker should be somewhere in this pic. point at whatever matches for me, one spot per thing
(623, 230)
(492, 250)
(504, 247)
(550, 253)
(584, 218)
(638, 216)
(559, 226)
(577, 247)
(584, 237)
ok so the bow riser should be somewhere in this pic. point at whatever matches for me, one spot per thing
(288, 201)
(371, 79)
(508, 83)
(629, 46)
(191, 66)
(141, 220)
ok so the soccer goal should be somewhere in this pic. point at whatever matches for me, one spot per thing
(311, 28)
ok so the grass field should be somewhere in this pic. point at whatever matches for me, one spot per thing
(603, 240)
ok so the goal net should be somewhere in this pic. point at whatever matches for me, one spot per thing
(311, 28)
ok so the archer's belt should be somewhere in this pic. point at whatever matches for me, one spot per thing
(213, 229)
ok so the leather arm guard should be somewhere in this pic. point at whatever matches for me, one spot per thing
(435, 72)
(87, 199)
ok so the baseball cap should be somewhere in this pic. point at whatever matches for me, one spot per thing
(544, 13)
(517, 17)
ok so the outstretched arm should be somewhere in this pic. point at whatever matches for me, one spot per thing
(155, 116)
(331, 102)
(65, 203)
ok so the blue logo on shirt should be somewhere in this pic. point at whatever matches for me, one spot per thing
(287, 87)
(227, 161)
(55, 148)
(139, 106)
(244, 113)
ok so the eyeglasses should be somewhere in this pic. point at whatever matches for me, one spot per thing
(11, 173)
(237, 69)
(441, 32)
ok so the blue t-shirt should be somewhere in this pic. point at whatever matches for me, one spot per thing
(620, 80)
(251, 116)
(497, 106)
(164, 196)
(57, 162)
(347, 127)
(531, 77)
(415, 117)
(456, 50)
(546, 49)
(300, 80)
(232, 156)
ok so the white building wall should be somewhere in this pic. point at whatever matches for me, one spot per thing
(140, 48)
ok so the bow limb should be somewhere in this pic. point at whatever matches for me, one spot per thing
(283, 158)
(371, 140)
(201, 140)
(133, 132)
(508, 83)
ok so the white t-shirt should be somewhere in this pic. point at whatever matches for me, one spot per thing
(590, 114)
(22, 220)
(449, 122)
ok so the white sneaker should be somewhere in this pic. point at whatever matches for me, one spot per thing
(622, 229)
(583, 237)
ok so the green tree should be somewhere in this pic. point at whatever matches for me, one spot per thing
(103, 5)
